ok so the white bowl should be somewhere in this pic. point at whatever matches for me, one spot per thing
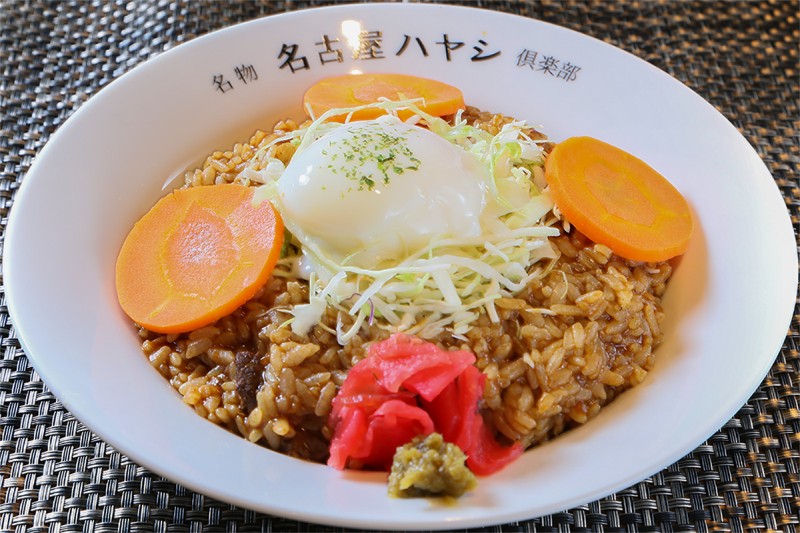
(728, 306)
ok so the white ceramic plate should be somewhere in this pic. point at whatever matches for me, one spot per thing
(728, 306)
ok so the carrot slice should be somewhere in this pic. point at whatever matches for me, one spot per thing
(616, 199)
(196, 256)
(353, 90)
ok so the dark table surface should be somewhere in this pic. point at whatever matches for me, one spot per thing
(56, 475)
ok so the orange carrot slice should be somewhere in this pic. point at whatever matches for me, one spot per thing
(196, 256)
(353, 90)
(618, 200)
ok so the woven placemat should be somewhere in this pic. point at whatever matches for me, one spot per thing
(56, 475)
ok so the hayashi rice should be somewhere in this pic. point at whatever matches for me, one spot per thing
(557, 351)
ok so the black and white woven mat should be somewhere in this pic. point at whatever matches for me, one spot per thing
(56, 475)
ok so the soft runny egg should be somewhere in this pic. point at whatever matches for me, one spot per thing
(371, 193)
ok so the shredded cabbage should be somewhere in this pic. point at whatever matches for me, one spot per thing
(449, 283)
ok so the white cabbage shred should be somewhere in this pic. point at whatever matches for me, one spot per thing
(445, 286)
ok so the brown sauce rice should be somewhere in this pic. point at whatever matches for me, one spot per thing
(567, 345)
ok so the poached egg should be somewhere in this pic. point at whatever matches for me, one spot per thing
(372, 193)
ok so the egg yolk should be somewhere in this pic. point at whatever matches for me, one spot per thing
(371, 193)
